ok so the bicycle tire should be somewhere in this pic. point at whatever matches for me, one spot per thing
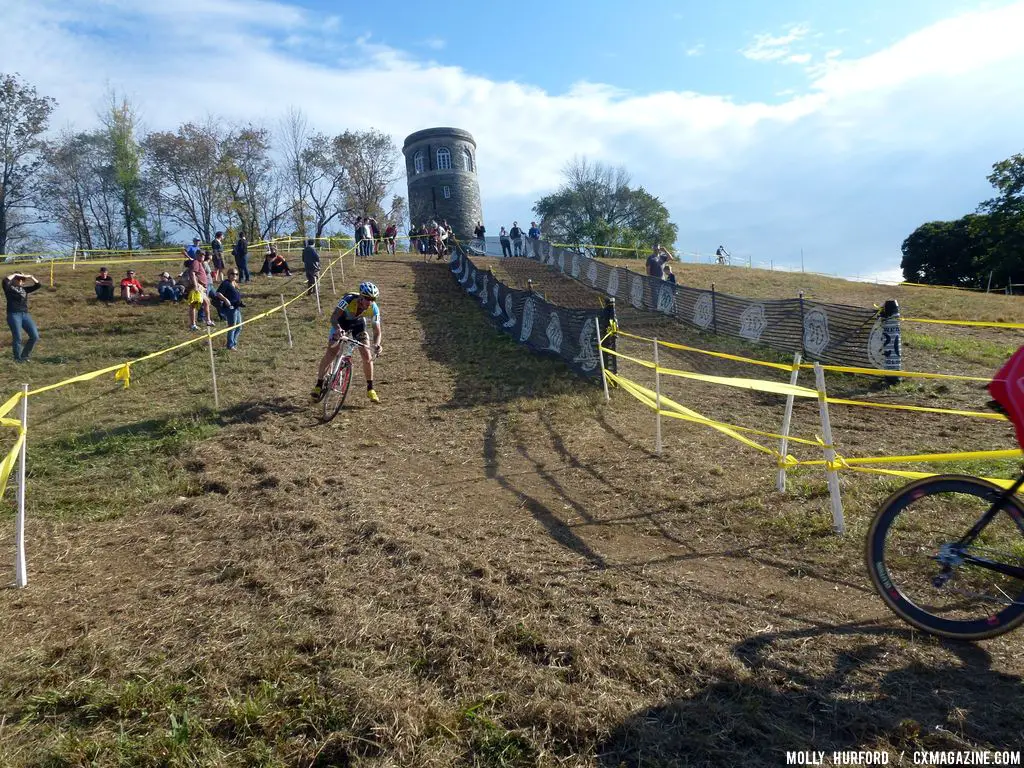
(335, 389)
(898, 601)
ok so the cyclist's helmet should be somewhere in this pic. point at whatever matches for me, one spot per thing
(369, 290)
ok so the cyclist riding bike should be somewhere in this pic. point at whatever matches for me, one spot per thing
(351, 316)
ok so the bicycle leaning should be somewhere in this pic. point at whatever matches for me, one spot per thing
(946, 553)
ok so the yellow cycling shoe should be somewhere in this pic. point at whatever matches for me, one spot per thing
(372, 394)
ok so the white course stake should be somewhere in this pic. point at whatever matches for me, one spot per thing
(334, 290)
(287, 325)
(213, 369)
(20, 563)
(316, 288)
(786, 420)
(600, 358)
(830, 454)
(657, 401)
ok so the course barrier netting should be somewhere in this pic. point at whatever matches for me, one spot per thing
(833, 461)
(831, 333)
(573, 335)
(122, 372)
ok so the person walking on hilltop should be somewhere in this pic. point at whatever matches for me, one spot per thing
(506, 244)
(241, 254)
(16, 291)
(311, 262)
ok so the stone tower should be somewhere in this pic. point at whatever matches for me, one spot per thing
(441, 168)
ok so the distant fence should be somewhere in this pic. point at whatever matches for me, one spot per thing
(570, 334)
(831, 333)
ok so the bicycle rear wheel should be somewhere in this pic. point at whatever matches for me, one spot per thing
(335, 389)
(920, 572)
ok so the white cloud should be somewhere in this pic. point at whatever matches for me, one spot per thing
(798, 58)
(846, 170)
(434, 43)
(695, 50)
(767, 47)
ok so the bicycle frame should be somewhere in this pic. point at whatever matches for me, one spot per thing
(956, 551)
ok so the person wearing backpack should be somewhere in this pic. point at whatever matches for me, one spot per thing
(241, 254)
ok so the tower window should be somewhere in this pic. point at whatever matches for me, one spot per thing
(467, 159)
(446, 191)
(444, 159)
(417, 162)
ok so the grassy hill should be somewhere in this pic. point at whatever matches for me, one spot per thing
(491, 568)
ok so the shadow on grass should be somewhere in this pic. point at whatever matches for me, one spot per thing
(826, 688)
(543, 514)
(489, 366)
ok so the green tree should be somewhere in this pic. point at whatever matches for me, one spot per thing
(121, 123)
(370, 159)
(948, 252)
(597, 206)
(24, 116)
(1006, 220)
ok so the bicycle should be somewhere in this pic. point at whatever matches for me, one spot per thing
(339, 377)
(905, 538)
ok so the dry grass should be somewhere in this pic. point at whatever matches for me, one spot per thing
(490, 569)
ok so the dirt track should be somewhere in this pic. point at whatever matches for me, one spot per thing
(478, 540)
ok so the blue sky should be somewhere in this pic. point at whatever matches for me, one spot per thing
(835, 128)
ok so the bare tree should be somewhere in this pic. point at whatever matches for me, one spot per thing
(295, 136)
(192, 168)
(24, 116)
(370, 159)
(325, 181)
(75, 189)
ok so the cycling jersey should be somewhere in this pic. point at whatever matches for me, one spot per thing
(349, 305)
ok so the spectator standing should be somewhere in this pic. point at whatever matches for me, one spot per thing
(390, 235)
(104, 285)
(16, 291)
(367, 238)
(193, 250)
(506, 248)
(131, 288)
(669, 275)
(480, 233)
(217, 246)
(230, 306)
(414, 243)
(311, 262)
(241, 254)
(656, 261)
(534, 237)
(198, 293)
(517, 239)
(357, 231)
(375, 234)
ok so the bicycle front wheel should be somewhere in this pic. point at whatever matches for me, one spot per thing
(923, 574)
(336, 387)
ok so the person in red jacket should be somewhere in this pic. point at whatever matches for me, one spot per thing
(131, 288)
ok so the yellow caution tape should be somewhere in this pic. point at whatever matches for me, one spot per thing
(759, 385)
(677, 411)
(1002, 483)
(842, 462)
(810, 366)
(723, 355)
(972, 323)
(921, 408)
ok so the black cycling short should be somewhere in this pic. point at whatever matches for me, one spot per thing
(356, 328)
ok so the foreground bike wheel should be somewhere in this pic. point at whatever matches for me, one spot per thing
(335, 389)
(917, 527)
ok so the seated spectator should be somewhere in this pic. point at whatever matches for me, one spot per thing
(131, 288)
(104, 285)
(278, 265)
(168, 289)
(269, 257)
